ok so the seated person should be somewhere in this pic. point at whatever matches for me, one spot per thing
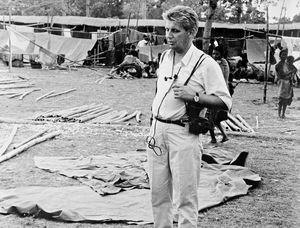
(88, 61)
(131, 65)
(132, 51)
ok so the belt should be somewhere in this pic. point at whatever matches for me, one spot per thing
(178, 122)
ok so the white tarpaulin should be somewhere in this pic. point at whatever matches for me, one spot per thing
(74, 49)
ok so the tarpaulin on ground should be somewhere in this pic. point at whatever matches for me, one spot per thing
(119, 172)
(256, 49)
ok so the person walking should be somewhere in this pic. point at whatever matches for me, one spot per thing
(285, 73)
(185, 74)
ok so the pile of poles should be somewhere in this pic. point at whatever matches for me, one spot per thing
(94, 113)
(236, 123)
(15, 88)
(24, 145)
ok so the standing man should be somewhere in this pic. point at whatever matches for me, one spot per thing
(174, 153)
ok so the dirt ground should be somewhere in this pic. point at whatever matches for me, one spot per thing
(273, 150)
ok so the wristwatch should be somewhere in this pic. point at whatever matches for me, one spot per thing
(196, 97)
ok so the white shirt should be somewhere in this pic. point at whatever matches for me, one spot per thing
(142, 43)
(208, 79)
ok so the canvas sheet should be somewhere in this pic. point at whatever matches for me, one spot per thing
(256, 49)
(292, 44)
(74, 49)
(150, 53)
(118, 182)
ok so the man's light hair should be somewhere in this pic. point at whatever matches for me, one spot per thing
(185, 16)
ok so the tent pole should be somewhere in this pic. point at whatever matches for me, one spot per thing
(9, 41)
(267, 57)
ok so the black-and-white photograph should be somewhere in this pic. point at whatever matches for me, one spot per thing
(149, 113)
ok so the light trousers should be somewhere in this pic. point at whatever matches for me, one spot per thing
(174, 175)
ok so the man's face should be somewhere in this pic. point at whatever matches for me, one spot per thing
(178, 38)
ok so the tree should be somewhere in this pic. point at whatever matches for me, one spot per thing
(296, 18)
(107, 8)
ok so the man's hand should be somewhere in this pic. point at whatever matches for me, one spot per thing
(183, 92)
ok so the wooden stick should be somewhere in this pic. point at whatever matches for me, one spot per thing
(92, 110)
(121, 115)
(17, 87)
(244, 122)
(9, 140)
(15, 95)
(225, 125)
(61, 93)
(6, 93)
(21, 149)
(128, 117)
(105, 116)
(237, 122)
(78, 110)
(30, 138)
(232, 125)
(95, 115)
(27, 93)
(138, 116)
(45, 95)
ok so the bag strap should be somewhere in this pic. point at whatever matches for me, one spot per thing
(195, 68)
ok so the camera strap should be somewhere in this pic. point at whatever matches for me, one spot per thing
(196, 67)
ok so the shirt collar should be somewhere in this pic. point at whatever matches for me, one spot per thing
(187, 57)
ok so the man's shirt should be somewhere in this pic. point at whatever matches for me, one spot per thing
(208, 78)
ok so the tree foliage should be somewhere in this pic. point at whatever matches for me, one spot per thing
(296, 18)
(234, 11)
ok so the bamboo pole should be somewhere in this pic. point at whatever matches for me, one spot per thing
(15, 95)
(138, 116)
(126, 118)
(27, 93)
(6, 93)
(21, 149)
(95, 115)
(122, 114)
(105, 116)
(8, 141)
(232, 125)
(61, 93)
(45, 95)
(16, 87)
(109, 117)
(30, 138)
(79, 109)
(225, 125)
(237, 122)
(244, 122)
(92, 110)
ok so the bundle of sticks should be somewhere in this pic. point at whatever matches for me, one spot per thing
(24, 145)
(236, 123)
(95, 113)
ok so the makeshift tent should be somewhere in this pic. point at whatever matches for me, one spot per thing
(74, 49)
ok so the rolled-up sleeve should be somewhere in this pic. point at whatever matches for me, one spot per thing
(214, 82)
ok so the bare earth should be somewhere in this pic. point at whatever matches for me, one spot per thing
(273, 151)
